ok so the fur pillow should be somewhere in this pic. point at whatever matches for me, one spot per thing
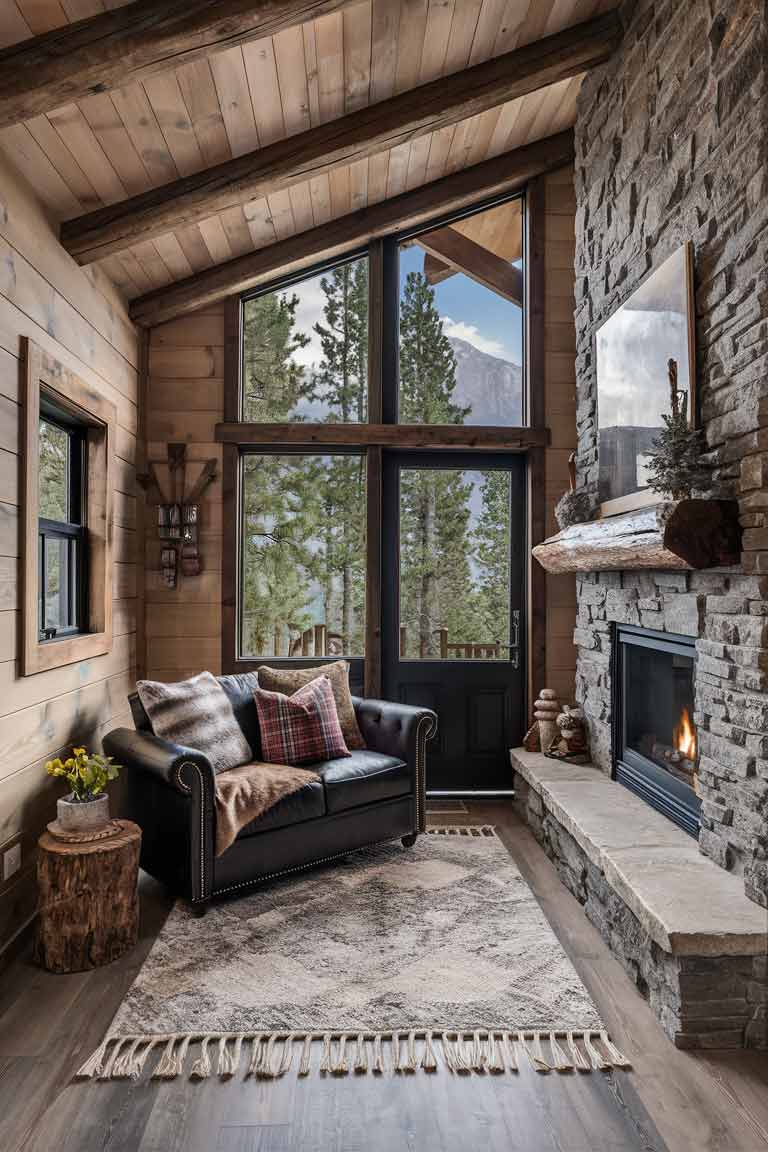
(288, 680)
(196, 713)
(300, 729)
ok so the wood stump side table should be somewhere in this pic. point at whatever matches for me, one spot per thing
(89, 906)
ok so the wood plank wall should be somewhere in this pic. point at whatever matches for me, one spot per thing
(184, 401)
(78, 317)
(560, 412)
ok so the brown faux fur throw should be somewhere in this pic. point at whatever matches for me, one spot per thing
(245, 793)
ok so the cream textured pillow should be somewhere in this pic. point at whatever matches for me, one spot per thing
(289, 680)
(197, 713)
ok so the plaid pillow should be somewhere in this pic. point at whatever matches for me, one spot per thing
(302, 728)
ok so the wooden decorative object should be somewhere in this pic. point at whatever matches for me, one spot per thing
(178, 513)
(682, 535)
(531, 741)
(545, 712)
(89, 907)
(571, 741)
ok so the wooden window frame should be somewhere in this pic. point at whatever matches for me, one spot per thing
(373, 437)
(43, 374)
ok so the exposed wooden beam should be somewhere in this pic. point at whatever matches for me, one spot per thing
(479, 263)
(301, 435)
(435, 270)
(127, 44)
(351, 138)
(506, 173)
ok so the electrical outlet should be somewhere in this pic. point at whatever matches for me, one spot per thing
(11, 861)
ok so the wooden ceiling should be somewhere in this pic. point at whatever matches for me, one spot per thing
(110, 146)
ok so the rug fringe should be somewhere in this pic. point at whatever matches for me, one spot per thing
(464, 1052)
(476, 831)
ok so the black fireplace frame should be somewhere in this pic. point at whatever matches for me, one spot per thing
(663, 791)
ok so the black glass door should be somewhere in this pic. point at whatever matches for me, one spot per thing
(452, 600)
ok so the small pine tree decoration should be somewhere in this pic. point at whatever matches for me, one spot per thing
(676, 467)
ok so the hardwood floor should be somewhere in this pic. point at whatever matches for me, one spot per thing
(670, 1100)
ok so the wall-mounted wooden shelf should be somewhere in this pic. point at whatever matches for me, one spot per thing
(683, 535)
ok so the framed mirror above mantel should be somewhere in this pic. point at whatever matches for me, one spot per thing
(633, 350)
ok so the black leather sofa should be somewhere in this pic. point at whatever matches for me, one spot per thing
(374, 795)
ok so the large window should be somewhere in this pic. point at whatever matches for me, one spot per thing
(303, 555)
(305, 349)
(461, 321)
(62, 540)
(376, 352)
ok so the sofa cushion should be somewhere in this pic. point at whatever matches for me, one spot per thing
(239, 687)
(363, 778)
(288, 680)
(302, 728)
(196, 713)
(305, 804)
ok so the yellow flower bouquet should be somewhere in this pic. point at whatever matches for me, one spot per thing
(86, 774)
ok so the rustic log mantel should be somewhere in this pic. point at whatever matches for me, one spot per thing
(682, 535)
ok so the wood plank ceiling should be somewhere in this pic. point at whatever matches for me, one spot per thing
(110, 146)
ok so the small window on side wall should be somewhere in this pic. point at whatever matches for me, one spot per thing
(63, 524)
(67, 516)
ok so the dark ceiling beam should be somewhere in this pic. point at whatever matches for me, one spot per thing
(479, 263)
(126, 44)
(351, 138)
(503, 174)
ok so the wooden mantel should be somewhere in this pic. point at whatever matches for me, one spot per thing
(683, 535)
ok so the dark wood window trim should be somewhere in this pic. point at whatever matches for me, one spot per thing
(44, 375)
(382, 431)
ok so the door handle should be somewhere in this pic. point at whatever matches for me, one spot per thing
(514, 643)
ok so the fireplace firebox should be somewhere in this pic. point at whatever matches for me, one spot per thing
(654, 738)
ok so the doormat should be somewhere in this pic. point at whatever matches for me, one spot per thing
(437, 807)
(390, 961)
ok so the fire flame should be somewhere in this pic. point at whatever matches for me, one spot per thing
(684, 737)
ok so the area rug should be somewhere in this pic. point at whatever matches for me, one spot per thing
(391, 960)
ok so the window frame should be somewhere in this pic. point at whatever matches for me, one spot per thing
(49, 387)
(382, 430)
(73, 530)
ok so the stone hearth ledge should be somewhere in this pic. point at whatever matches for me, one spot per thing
(687, 904)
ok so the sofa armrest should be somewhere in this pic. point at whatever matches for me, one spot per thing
(400, 730)
(170, 793)
(175, 764)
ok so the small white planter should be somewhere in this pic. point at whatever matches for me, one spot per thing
(85, 816)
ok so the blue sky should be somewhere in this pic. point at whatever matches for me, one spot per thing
(471, 312)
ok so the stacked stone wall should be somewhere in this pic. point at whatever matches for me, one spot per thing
(672, 145)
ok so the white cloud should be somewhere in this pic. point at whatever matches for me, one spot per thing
(460, 330)
(308, 312)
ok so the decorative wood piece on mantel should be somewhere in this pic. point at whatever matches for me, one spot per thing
(683, 535)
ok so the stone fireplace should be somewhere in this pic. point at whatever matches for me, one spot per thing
(654, 735)
(672, 145)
